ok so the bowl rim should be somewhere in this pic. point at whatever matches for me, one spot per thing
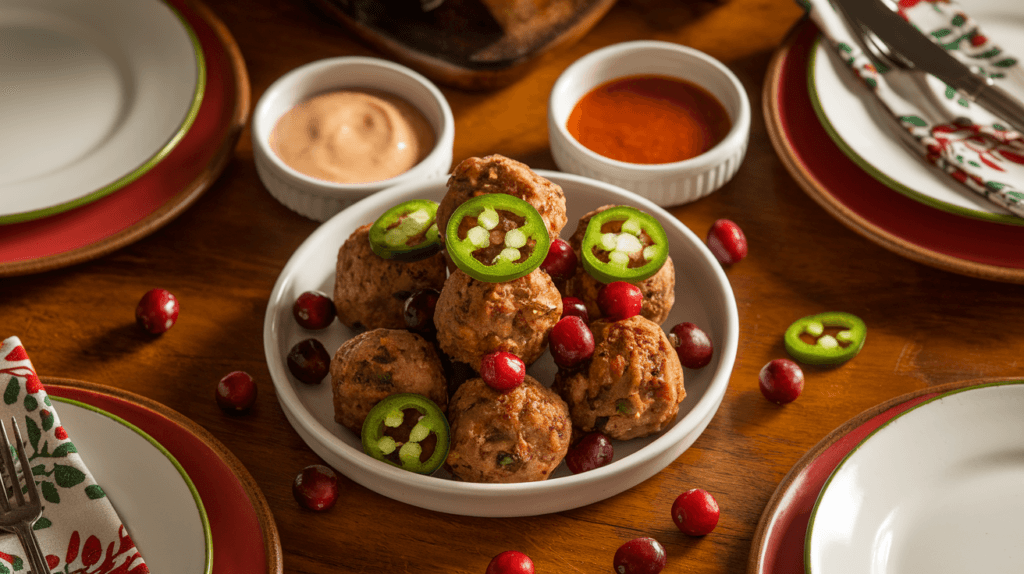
(444, 138)
(700, 413)
(736, 137)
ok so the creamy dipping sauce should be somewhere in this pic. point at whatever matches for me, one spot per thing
(352, 136)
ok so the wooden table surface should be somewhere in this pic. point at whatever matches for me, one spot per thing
(221, 258)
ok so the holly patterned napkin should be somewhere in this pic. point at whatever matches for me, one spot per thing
(960, 137)
(79, 532)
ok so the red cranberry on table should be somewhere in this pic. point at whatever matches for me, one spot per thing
(695, 512)
(727, 242)
(313, 310)
(236, 392)
(573, 307)
(640, 556)
(309, 361)
(781, 381)
(571, 342)
(157, 311)
(692, 345)
(419, 311)
(619, 300)
(510, 562)
(561, 260)
(593, 451)
(502, 371)
(316, 487)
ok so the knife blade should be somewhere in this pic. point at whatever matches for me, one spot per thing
(916, 48)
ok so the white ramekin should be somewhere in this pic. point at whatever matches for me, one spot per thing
(318, 199)
(668, 183)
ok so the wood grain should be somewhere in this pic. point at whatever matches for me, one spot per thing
(221, 257)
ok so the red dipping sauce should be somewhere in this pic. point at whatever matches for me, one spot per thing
(649, 119)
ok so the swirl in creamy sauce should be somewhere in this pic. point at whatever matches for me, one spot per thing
(352, 136)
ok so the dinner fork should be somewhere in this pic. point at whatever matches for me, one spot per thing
(20, 515)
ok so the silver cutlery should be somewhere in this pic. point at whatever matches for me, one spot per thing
(19, 515)
(898, 44)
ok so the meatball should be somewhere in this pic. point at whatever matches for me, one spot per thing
(474, 318)
(632, 385)
(370, 291)
(659, 290)
(499, 174)
(518, 436)
(379, 363)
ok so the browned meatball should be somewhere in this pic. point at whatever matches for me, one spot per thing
(518, 436)
(376, 364)
(659, 290)
(499, 174)
(370, 291)
(632, 385)
(474, 318)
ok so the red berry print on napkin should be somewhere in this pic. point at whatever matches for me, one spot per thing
(17, 354)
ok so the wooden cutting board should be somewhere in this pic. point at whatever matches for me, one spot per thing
(469, 44)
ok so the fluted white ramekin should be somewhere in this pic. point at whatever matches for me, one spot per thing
(668, 183)
(318, 199)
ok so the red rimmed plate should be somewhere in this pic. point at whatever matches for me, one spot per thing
(778, 546)
(919, 232)
(162, 193)
(237, 511)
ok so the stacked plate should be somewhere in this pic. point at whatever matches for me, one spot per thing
(829, 134)
(927, 482)
(103, 104)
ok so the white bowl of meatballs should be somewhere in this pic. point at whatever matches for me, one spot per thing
(504, 447)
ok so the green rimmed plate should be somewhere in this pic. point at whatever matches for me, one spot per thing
(92, 96)
(853, 121)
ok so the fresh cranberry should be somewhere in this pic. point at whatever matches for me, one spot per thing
(309, 362)
(316, 487)
(727, 242)
(640, 556)
(573, 307)
(419, 311)
(593, 451)
(781, 381)
(571, 342)
(561, 260)
(692, 345)
(502, 371)
(695, 512)
(157, 311)
(236, 392)
(510, 562)
(313, 310)
(619, 300)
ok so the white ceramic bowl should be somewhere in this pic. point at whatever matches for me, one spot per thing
(668, 183)
(703, 296)
(319, 199)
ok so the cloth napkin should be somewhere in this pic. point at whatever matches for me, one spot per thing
(959, 137)
(79, 531)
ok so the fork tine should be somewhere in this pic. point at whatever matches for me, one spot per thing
(30, 481)
(5, 503)
(12, 472)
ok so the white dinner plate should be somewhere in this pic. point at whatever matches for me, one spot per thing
(939, 488)
(92, 95)
(848, 115)
(151, 493)
(703, 297)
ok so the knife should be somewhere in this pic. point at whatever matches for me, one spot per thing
(917, 49)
